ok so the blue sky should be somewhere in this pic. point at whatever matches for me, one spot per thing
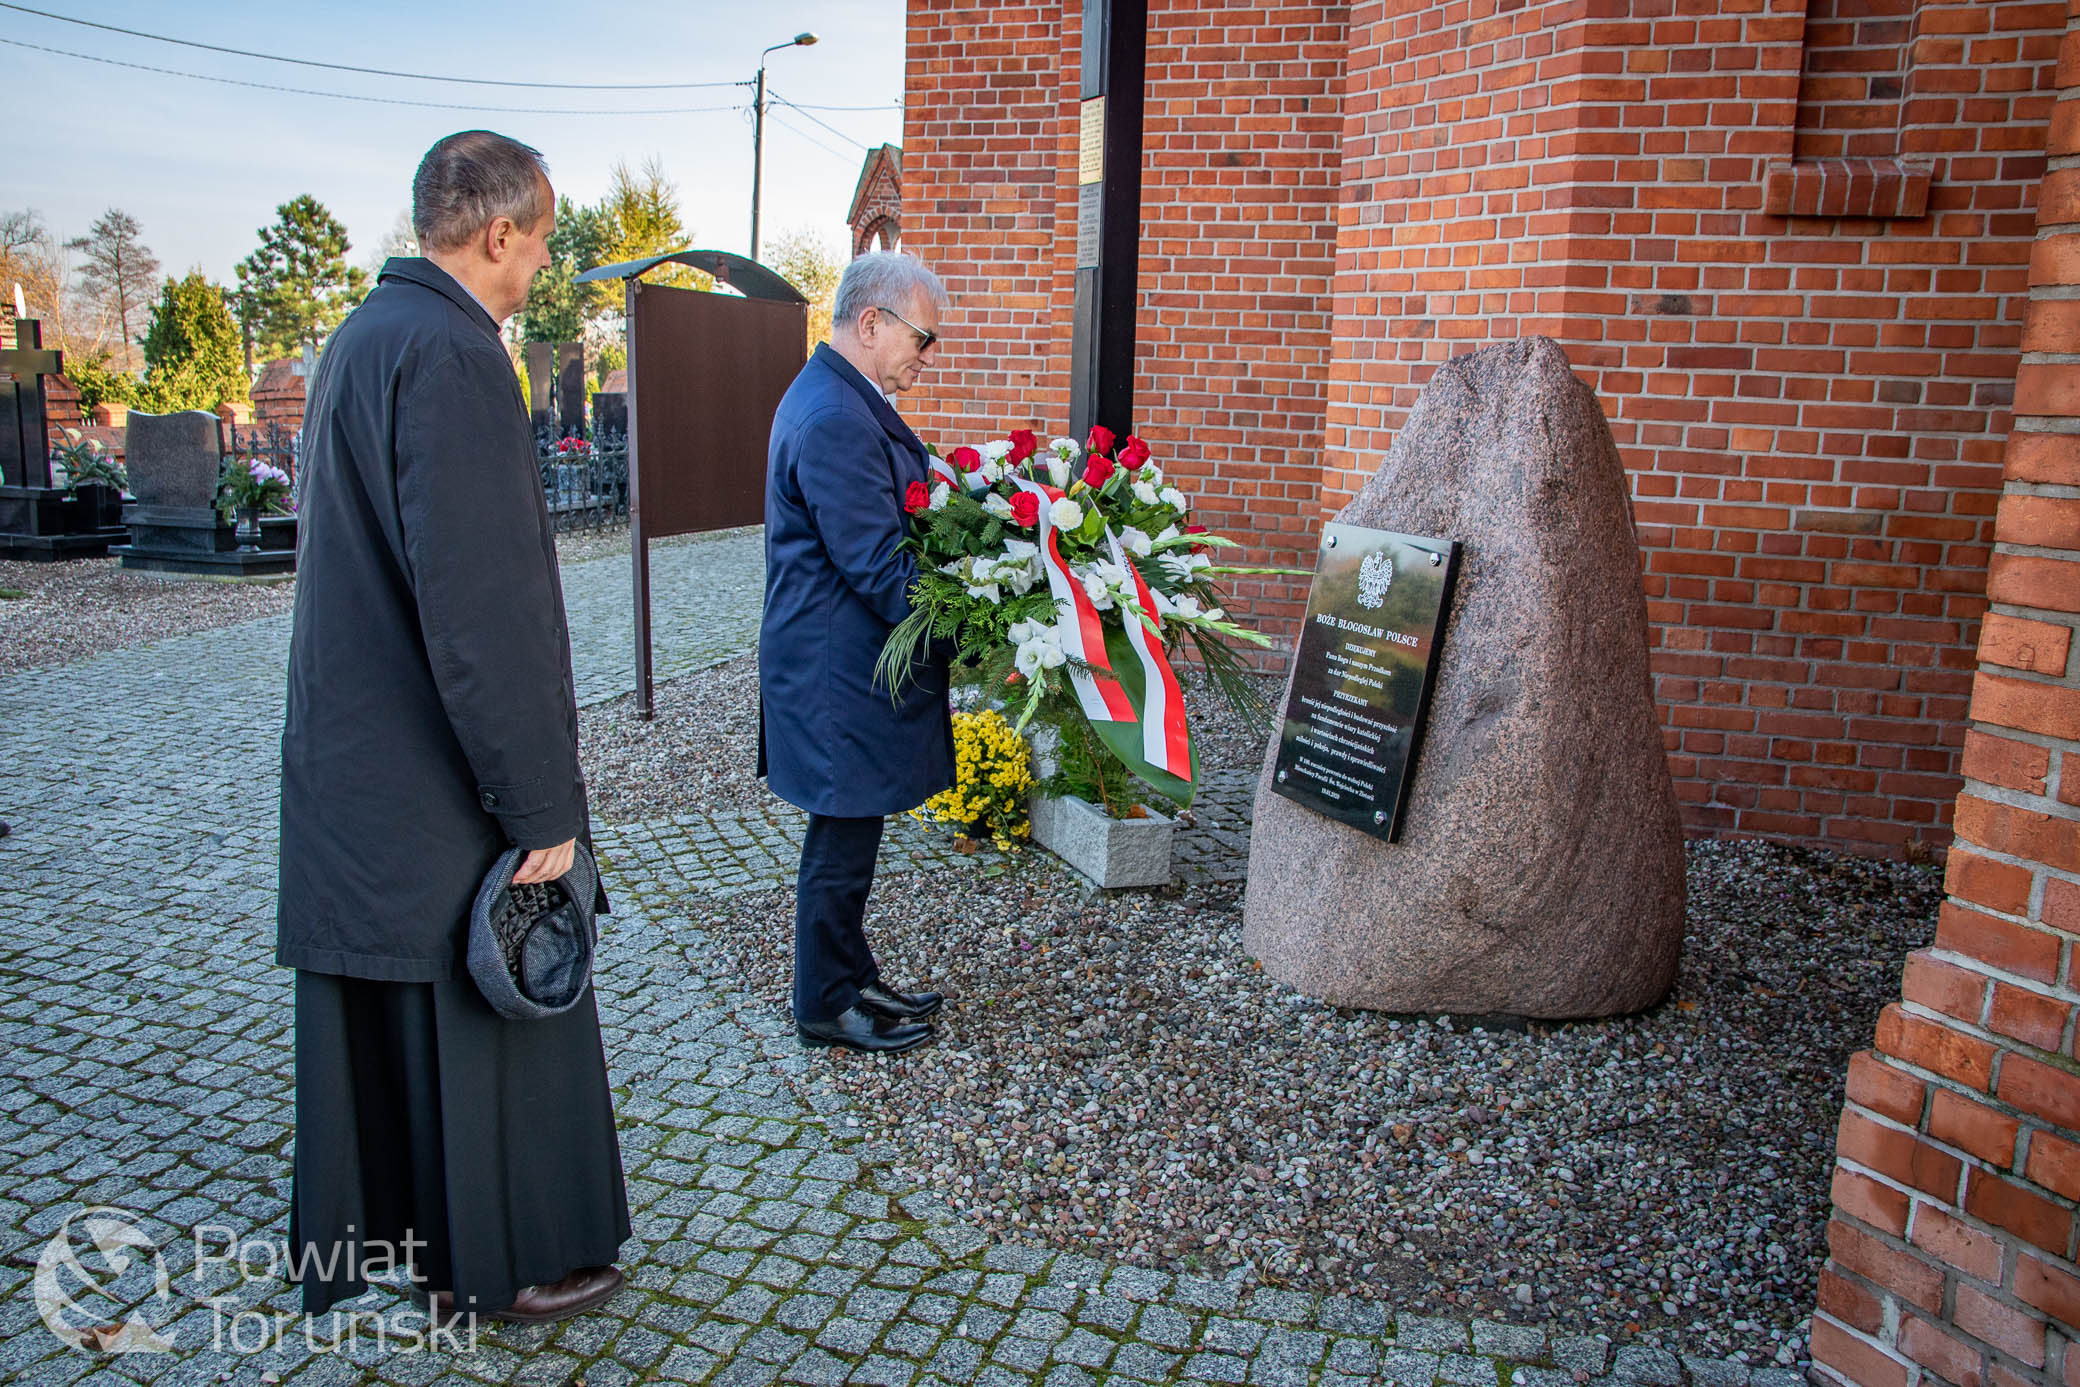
(202, 166)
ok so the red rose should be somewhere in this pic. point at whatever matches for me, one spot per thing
(1100, 440)
(1025, 509)
(1023, 446)
(1133, 453)
(1196, 530)
(1096, 469)
(917, 498)
(966, 459)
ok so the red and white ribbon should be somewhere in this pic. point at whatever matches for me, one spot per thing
(945, 472)
(1082, 633)
(1165, 742)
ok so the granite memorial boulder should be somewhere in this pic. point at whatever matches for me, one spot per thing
(1539, 870)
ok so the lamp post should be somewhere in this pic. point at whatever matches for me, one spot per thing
(758, 130)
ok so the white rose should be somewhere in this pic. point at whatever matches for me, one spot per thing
(1151, 474)
(1058, 470)
(1066, 448)
(1144, 493)
(1065, 514)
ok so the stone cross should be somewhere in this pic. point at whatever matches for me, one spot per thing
(25, 445)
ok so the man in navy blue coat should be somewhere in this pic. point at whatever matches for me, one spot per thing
(836, 742)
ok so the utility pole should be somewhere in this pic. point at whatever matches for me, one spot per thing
(758, 130)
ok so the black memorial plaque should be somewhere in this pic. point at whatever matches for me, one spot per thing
(1362, 675)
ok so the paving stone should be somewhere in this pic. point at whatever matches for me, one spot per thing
(1715, 1372)
(1408, 1367)
(1524, 1343)
(1143, 1363)
(1164, 1326)
(1084, 1349)
(1443, 1336)
(1583, 1353)
(1467, 1369)
(1647, 1367)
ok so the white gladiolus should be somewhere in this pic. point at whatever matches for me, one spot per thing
(1065, 514)
(1135, 542)
(1216, 614)
(997, 505)
(1100, 595)
(1186, 607)
(1144, 493)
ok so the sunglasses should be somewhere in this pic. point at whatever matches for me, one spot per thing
(924, 339)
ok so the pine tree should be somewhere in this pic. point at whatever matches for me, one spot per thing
(192, 355)
(119, 274)
(297, 286)
(557, 309)
(642, 212)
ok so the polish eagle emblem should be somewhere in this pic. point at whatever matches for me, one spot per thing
(1375, 575)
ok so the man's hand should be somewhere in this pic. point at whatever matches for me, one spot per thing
(546, 864)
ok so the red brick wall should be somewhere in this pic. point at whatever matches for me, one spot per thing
(1958, 1158)
(1811, 406)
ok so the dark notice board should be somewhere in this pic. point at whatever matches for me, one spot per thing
(1362, 675)
(706, 372)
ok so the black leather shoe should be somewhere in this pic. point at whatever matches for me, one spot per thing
(856, 1028)
(899, 1006)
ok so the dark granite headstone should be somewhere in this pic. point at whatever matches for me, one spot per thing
(175, 461)
(541, 385)
(570, 389)
(610, 413)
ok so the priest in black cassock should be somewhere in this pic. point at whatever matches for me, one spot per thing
(432, 724)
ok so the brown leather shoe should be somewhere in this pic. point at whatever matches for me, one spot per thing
(582, 1290)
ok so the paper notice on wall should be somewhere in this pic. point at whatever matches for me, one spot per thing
(1090, 142)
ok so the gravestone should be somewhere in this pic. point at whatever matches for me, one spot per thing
(38, 520)
(610, 413)
(1539, 870)
(541, 386)
(175, 461)
(570, 389)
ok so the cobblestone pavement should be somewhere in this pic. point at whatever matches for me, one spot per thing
(149, 1070)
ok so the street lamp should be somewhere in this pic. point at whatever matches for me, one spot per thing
(758, 130)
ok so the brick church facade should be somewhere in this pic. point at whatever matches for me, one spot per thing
(1788, 245)
(1820, 259)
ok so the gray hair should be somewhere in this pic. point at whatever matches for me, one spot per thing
(883, 279)
(471, 179)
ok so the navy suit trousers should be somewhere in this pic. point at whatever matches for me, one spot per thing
(831, 959)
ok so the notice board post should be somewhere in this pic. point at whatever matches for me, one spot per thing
(706, 371)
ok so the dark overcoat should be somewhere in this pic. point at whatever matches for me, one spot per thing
(432, 719)
(840, 463)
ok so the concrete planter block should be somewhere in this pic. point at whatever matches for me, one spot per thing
(1112, 852)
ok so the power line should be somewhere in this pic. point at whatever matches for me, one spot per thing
(824, 123)
(805, 135)
(378, 100)
(367, 71)
(886, 106)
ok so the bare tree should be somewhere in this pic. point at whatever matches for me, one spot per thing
(34, 259)
(119, 272)
(400, 239)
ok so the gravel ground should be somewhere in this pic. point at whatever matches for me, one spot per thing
(80, 607)
(1114, 1075)
(55, 613)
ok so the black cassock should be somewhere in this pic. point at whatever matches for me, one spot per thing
(432, 724)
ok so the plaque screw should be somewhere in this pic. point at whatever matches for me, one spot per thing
(1379, 816)
(1281, 777)
(1332, 541)
(1436, 559)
